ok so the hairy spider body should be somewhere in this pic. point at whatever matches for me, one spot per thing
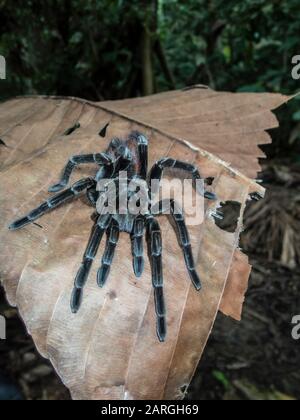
(131, 156)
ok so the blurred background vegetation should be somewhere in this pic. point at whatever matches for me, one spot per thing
(112, 49)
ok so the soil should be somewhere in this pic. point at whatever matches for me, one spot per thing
(257, 358)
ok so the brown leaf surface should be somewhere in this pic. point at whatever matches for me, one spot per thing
(109, 350)
(228, 125)
(236, 286)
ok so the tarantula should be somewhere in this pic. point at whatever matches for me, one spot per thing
(130, 155)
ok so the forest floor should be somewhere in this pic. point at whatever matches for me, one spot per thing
(255, 359)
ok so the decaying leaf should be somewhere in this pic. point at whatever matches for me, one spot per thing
(109, 350)
(236, 286)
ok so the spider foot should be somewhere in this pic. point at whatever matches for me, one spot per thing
(207, 194)
(102, 275)
(161, 329)
(195, 279)
(18, 224)
(138, 266)
(210, 195)
(76, 299)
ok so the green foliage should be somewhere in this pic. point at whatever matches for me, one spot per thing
(222, 378)
(93, 48)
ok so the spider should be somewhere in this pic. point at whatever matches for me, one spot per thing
(129, 155)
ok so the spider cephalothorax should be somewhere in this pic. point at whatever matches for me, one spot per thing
(131, 156)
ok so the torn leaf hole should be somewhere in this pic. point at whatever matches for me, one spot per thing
(102, 132)
(210, 180)
(183, 389)
(227, 216)
(72, 129)
(256, 196)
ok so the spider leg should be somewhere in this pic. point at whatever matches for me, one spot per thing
(111, 243)
(52, 203)
(158, 168)
(98, 158)
(143, 152)
(142, 145)
(137, 245)
(155, 253)
(93, 195)
(98, 230)
(184, 242)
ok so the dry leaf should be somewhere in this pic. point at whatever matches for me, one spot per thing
(109, 350)
(236, 286)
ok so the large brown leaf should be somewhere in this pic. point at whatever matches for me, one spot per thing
(109, 350)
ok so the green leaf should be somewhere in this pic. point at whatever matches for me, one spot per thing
(76, 38)
(221, 377)
(227, 53)
(252, 88)
(296, 116)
